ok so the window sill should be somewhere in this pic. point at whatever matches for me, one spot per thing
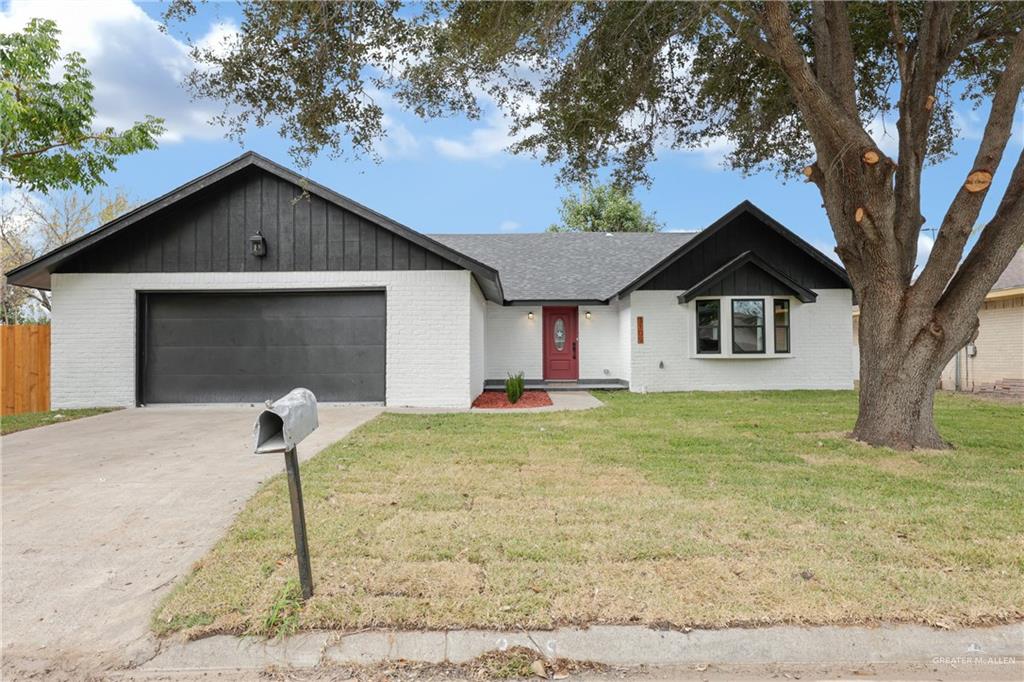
(742, 356)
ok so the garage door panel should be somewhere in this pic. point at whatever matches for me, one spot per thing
(275, 331)
(250, 347)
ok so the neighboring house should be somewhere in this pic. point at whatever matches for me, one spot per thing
(995, 361)
(251, 280)
(996, 358)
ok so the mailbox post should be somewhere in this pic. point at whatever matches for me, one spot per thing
(280, 428)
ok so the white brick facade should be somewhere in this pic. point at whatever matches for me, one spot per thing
(821, 340)
(515, 342)
(429, 337)
(444, 339)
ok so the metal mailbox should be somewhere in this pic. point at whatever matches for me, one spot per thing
(286, 422)
(280, 428)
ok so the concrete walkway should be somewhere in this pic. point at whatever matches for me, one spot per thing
(103, 514)
(1000, 649)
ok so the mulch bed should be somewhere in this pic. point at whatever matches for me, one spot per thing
(497, 399)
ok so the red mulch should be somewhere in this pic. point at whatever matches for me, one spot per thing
(492, 399)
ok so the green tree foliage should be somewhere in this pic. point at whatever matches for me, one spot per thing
(788, 85)
(47, 141)
(604, 208)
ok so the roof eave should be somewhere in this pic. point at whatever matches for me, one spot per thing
(745, 206)
(36, 273)
(748, 257)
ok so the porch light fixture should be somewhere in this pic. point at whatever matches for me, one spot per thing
(258, 245)
(530, 314)
(587, 314)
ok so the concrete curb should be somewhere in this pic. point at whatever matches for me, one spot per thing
(612, 645)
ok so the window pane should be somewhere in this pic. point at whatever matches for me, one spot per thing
(748, 339)
(707, 340)
(748, 325)
(748, 312)
(708, 326)
(782, 339)
(782, 313)
(559, 334)
(707, 313)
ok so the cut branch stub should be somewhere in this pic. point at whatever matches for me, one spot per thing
(808, 171)
(858, 215)
(870, 157)
(978, 181)
(929, 103)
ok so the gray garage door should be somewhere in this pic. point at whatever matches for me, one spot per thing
(247, 347)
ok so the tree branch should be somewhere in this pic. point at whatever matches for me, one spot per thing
(963, 212)
(827, 121)
(920, 76)
(996, 246)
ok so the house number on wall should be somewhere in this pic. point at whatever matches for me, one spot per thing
(639, 329)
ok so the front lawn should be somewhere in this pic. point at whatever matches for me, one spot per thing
(9, 423)
(684, 509)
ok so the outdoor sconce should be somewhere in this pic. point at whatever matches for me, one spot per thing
(258, 245)
(587, 314)
(530, 315)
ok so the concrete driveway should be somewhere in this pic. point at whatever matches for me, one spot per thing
(101, 516)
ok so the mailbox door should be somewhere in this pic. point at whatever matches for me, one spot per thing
(249, 347)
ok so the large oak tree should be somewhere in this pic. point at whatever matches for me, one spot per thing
(792, 86)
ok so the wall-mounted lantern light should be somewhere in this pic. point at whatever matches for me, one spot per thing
(587, 314)
(530, 315)
(258, 245)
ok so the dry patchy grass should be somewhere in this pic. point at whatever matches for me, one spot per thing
(675, 509)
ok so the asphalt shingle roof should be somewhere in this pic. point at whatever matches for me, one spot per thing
(1012, 277)
(566, 266)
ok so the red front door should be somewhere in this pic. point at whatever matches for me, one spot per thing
(561, 352)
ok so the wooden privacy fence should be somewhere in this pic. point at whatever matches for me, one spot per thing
(25, 368)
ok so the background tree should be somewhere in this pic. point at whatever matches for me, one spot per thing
(790, 85)
(31, 225)
(47, 140)
(604, 208)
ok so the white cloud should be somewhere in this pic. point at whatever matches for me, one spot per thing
(509, 226)
(484, 142)
(136, 68)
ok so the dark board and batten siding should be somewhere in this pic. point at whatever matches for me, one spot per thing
(745, 233)
(747, 279)
(210, 234)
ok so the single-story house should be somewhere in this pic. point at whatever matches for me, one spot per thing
(251, 280)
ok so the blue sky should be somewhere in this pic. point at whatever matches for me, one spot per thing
(439, 176)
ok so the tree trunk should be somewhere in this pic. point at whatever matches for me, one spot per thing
(901, 361)
(896, 409)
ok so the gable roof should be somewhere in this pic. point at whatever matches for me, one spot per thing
(748, 258)
(36, 273)
(741, 208)
(582, 267)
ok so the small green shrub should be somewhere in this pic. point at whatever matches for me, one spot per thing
(514, 387)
